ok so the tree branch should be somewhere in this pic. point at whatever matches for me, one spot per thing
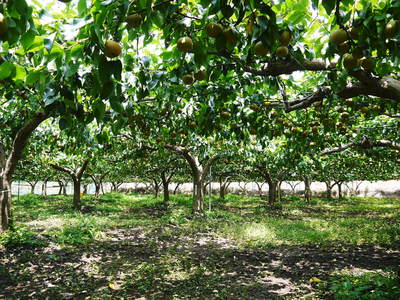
(20, 140)
(208, 165)
(190, 158)
(65, 170)
(365, 143)
(82, 169)
(281, 68)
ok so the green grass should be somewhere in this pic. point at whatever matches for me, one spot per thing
(130, 244)
(384, 285)
(244, 220)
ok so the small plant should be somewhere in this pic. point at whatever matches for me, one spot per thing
(81, 232)
(21, 238)
(368, 286)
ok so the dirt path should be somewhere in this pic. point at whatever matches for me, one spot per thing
(166, 263)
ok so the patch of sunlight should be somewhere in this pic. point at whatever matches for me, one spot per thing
(297, 212)
(256, 231)
(177, 275)
(51, 223)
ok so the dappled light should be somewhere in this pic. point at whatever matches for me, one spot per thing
(203, 149)
(141, 249)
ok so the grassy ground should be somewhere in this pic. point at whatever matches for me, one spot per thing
(130, 247)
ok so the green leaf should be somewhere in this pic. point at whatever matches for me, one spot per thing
(63, 123)
(106, 89)
(82, 7)
(32, 77)
(77, 50)
(99, 109)
(20, 73)
(315, 3)
(27, 39)
(6, 70)
(116, 105)
(329, 5)
(37, 44)
(48, 42)
(116, 67)
(105, 70)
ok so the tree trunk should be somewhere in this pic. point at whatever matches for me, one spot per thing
(205, 187)
(44, 188)
(259, 186)
(222, 191)
(307, 189)
(113, 187)
(77, 194)
(7, 166)
(76, 177)
(85, 188)
(156, 188)
(176, 187)
(339, 184)
(198, 197)
(272, 192)
(61, 185)
(279, 191)
(33, 185)
(328, 190)
(64, 189)
(97, 186)
(5, 197)
(199, 172)
(165, 184)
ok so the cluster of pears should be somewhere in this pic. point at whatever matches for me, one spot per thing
(214, 30)
(113, 49)
(356, 58)
(281, 51)
(198, 76)
(341, 39)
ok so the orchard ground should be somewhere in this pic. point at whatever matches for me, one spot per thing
(130, 246)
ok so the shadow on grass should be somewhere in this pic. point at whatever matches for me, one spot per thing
(159, 264)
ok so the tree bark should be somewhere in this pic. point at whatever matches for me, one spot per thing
(339, 185)
(307, 189)
(85, 188)
(64, 188)
(329, 187)
(61, 187)
(259, 186)
(8, 165)
(33, 185)
(77, 194)
(198, 199)
(272, 192)
(97, 190)
(44, 186)
(176, 187)
(279, 191)
(165, 184)
(98, 182)
(5, 195)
